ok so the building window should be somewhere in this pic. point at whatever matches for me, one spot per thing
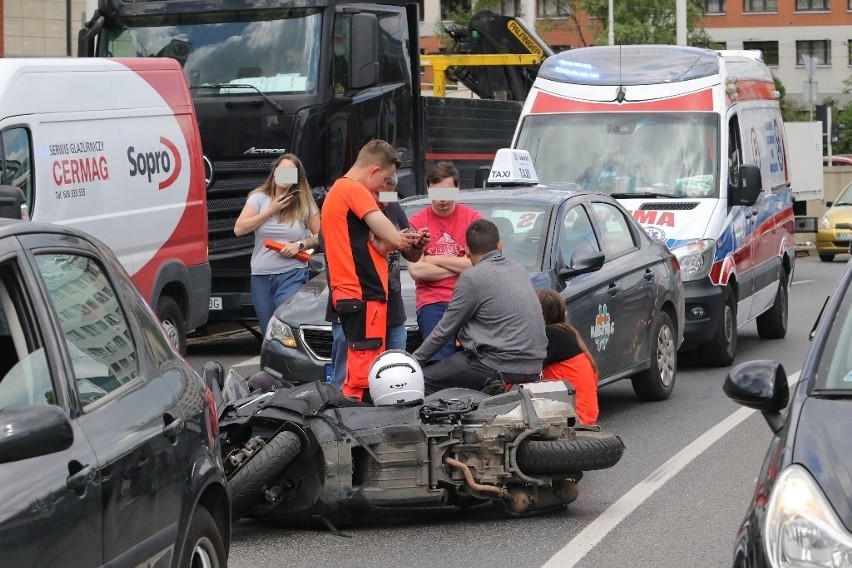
(819, 49)
(551, 8)
(769, 49)
(512, 7)
(454, 7)
(717, 6)
(760, 6)
(421, 8)
(813, 5)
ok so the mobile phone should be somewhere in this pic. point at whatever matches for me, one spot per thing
(291, 193)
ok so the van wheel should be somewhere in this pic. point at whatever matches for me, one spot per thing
(772, 324)
(720, 351)
(171, 319)
(826, 257)
(657, 381)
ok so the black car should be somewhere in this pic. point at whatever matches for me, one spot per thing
(801, 512)
(623, 289)
(109, 449)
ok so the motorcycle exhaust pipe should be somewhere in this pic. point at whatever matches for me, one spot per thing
(500, 492)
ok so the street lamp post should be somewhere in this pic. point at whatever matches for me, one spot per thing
(610, 25)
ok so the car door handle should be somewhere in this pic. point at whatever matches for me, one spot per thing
(78, 481)
(649, 274)
(174, 427)
(613, 289)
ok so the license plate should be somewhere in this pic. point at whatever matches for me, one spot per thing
(844, 236)
(216, 303)
(329, 373)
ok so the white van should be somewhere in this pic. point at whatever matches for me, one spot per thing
(691, 141)
(111, 147)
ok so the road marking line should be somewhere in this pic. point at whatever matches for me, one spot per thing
(801, 282)
(253, 361)
(595, 531)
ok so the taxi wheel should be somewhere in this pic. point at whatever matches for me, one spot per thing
(720, 351)
(772, 324)
(657, 381)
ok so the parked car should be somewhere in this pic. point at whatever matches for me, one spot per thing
(837, 161)
(834, 230)
(801, 513)
(109, 450)
(623, 288)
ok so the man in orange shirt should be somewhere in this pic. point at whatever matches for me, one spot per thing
(357, 237)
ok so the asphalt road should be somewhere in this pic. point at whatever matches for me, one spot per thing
(675, 499)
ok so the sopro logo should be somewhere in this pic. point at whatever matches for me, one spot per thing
(156, 164)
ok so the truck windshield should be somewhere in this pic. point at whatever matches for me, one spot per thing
(274, 51)
(624, 154)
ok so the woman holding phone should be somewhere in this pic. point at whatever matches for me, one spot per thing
(281, 210)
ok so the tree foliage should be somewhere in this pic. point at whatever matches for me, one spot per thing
(647, 22)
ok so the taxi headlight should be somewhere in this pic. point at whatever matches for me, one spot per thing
(824, 223)
(279, 331)
(695, 258)
(802, 528)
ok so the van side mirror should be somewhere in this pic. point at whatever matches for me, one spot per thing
(32, 431)
(12, 202)
(364, 51)
(747, 188)
(316, 264)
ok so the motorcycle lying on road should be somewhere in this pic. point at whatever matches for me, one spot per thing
(307, 453)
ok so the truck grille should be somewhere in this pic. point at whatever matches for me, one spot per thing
(318, 340)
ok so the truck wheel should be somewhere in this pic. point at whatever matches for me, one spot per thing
(590, 450)
(720, 351)
(657, 381)
(772, 324)
(262, 469)
(204, 545)
(826, 257)
(172, 320)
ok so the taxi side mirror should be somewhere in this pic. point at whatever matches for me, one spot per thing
(582, 262)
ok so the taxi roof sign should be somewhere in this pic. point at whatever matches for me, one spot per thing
(512, 167)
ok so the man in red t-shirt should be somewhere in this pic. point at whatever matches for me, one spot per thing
(357, 237)
(443, 258)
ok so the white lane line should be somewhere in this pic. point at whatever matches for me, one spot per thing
(797, 282)
(595, 531)
(253, 361)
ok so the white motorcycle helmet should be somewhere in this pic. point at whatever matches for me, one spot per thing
(395, 378)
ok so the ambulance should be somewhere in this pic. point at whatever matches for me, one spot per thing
(690, 141)
(111, 147)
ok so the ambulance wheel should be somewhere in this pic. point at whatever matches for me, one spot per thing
(826, 257)
(657, 381)
(720, 351)
(171, 319)
(772, 324)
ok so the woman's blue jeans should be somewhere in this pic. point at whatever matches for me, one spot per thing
(268, 291)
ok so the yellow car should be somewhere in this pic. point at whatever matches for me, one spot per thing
(834, 231)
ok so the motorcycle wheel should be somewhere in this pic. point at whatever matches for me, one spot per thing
(251, 481)
(589, 451)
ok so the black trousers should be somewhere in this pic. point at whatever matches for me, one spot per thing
(465, 370)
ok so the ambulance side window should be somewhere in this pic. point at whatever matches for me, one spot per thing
(17, 161)
(735, 151)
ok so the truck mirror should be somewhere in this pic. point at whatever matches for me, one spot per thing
(12, 201)
(748, 187)
(364, 51)
(480, 178)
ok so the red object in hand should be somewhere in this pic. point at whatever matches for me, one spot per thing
(302, 255)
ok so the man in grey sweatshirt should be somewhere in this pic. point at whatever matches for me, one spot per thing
(497, 317)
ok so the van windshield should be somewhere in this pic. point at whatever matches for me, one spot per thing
(624, 154)
(273, 51)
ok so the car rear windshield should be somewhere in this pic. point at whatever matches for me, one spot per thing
(523, 229)
(834, 372)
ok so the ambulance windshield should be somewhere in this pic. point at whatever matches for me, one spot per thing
(272, 51)
(624, 154)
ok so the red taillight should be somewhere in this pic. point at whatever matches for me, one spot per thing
(213, 417)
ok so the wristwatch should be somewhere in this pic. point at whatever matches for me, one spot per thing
(301, 245)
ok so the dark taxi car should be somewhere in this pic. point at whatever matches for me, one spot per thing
(801, 512)
(623, 289)
(109, 451)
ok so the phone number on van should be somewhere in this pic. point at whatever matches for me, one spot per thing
(69, 193)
